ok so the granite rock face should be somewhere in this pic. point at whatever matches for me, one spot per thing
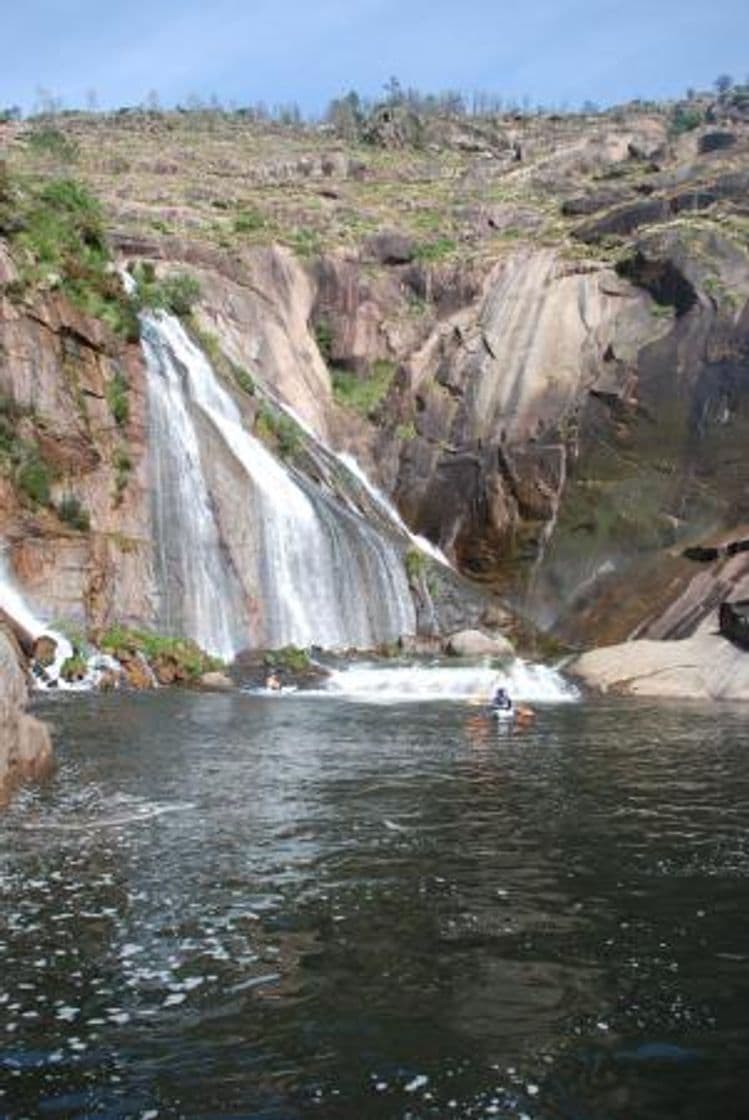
(25, 745)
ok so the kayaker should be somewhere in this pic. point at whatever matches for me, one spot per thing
(501, 701)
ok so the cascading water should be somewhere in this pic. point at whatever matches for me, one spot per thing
(17, 609)
(389, 510)
(249, 554)
(389, 684)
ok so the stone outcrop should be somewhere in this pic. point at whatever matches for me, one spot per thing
(81, 550)
(703, 667)
(25, 745)
(474, 643)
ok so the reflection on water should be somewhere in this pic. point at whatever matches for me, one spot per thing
(236, 906)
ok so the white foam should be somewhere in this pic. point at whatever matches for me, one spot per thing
(523, 680)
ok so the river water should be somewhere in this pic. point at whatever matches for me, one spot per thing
(229, 905)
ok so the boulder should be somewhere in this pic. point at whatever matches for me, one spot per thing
(474, 643)
(705, 666)
(45, 651)
(391, 248)
(216, 682)
(25, 746)
(716, 141)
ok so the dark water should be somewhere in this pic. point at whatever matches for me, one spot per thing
(230, 906)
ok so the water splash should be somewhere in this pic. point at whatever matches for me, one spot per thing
(524, 681)
(18, 610)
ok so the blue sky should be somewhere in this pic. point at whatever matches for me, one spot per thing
(554, 53)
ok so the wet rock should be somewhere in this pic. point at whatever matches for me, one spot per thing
(138, 674)
(216, 682)
(25, 745)
(474, 643)
(45, 651)
(110, 680)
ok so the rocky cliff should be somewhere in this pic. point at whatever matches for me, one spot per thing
(533, 332)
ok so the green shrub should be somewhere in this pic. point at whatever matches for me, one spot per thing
(118, 399)
(278, 431)
(291, 658)
(74, 668)
(34, 479)
(684, 119)
(123, 465)
(406, 431)
(324, 338)
(437, 250)
(249, 221)
(185, 654)
(415, 562)
(305, 242)
(364, 394)
(71, 511)
(59, 236)
(176, 293)
(52, 142)
(243, 379)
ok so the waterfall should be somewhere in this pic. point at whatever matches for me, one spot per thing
(250, 553)
(17, 609)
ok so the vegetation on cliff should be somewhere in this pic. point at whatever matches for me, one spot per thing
(57, 231)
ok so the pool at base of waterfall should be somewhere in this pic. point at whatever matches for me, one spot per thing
(230, 905)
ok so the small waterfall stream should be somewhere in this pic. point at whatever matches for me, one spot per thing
(250, 553)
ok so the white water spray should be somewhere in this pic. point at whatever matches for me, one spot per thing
(394, 684)
(18, 610)
(387, 507)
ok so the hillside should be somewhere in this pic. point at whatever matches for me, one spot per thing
(533, 331)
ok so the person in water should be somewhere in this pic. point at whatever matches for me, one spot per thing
(501, 701)
(272, 682)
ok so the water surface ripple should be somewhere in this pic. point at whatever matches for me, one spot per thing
(231, 906)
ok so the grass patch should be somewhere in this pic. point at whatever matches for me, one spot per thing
(290, 658)
(364, 394)
(20, 458)
(416, 565)
(51, 142)
(249, 221)
(305, 242)
(183, 655)
(437, 250)
(324, 338)
(57, 233)
(123, 466)
(34, 477)
(118, 400)
(75, 668)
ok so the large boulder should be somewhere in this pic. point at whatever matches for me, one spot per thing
(474, 643)
(703, 667)
(216, 682)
